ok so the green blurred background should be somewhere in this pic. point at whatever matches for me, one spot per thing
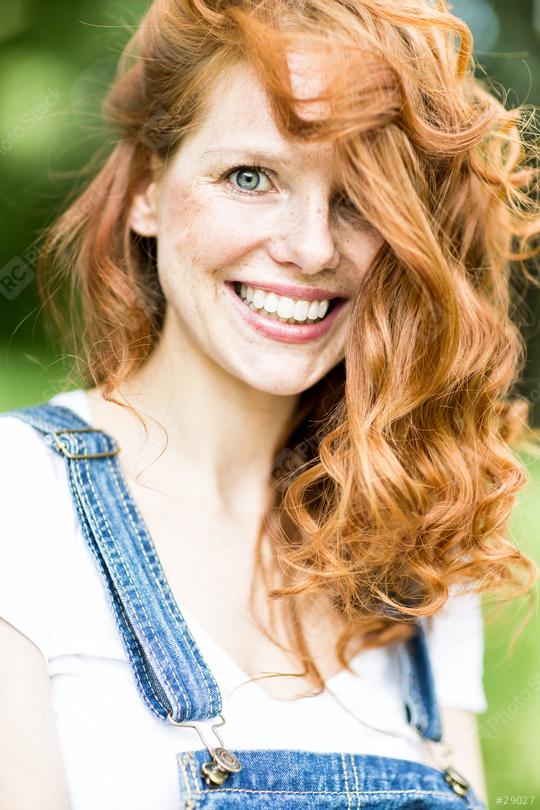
(56, 59)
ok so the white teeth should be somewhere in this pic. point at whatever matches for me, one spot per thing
(259, 299)
(300, 310)
(283, 308)
(271, 302)
(323, 306)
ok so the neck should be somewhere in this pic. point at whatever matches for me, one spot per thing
(221, 432)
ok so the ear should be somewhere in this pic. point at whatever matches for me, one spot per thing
(143, 215)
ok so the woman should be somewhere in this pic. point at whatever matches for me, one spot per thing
(250, 573)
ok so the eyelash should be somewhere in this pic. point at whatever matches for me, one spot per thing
(249, 167)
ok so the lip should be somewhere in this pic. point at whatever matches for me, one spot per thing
(304, 293)
(284, 332)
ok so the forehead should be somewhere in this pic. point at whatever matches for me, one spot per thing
(238, 118)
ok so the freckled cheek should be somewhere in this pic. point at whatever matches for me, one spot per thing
(208, 238)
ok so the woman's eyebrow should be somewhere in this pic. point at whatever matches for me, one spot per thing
(249, 154)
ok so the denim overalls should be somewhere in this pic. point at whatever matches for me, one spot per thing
(177, 686)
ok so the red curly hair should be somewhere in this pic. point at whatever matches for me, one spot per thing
(395, 479)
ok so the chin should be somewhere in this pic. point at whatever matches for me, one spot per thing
(280, 384)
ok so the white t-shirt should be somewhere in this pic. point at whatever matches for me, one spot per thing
(117, 755)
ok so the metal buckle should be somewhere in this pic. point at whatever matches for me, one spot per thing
(223, 762)
(456, 780)
(63, 449)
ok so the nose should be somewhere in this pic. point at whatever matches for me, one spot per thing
(305, 237)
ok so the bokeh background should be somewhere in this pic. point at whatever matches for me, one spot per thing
(56, 59)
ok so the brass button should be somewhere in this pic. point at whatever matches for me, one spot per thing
(226, 761)
(220, 767)
(213, 776)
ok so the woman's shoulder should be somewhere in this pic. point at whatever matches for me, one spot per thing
(24, 458)
(39, 553)
(32, 475)
(23, 453)
(33, 484)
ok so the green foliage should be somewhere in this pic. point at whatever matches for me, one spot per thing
(509, 728)
(56, 60)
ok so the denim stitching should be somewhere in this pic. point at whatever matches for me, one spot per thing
(99, 504)
(178, 624)
(43, 425)
(126, 646)
(129, 652)
(191, 763)
(356, 782)
(189, 795)
(129, 577)
(346, 776)
(363, 794)
(142, 662)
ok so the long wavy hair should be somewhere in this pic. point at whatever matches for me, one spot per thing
(395, 479)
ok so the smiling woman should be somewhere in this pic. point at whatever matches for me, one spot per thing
(295, 266)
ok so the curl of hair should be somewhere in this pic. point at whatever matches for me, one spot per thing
(395, 480)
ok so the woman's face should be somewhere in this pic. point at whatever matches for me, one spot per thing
(242, 250)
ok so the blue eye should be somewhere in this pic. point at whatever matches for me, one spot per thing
(252, 174)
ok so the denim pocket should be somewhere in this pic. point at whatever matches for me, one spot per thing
(288, 779)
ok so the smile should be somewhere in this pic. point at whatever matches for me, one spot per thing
(285, 318)
(280, 307)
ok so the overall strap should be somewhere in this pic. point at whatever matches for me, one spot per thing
(171, 674)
